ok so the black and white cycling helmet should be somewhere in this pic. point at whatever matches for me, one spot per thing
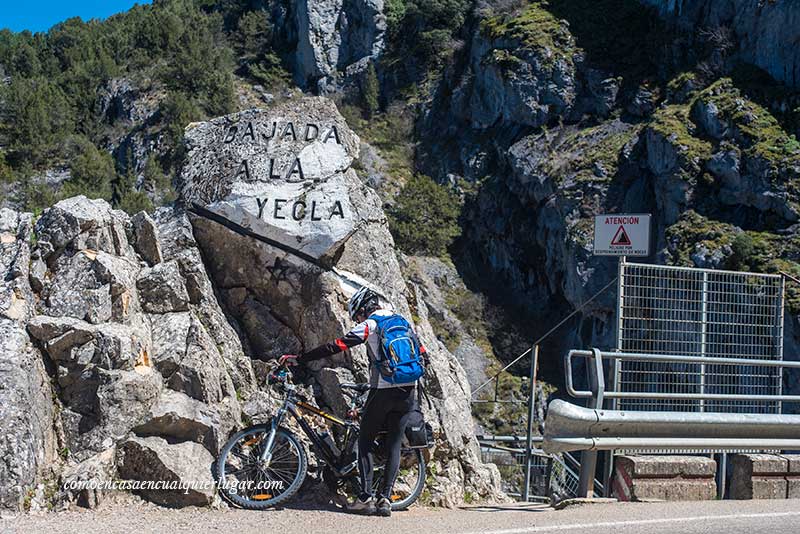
(361, 300)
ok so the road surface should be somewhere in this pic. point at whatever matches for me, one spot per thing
(724, 517)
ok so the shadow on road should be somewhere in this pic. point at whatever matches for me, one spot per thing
(512, 507)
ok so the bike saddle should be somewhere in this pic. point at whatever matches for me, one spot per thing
(361, 388)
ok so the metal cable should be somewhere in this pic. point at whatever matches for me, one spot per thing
(546, 335)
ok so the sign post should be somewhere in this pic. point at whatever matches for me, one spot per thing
(614, 235)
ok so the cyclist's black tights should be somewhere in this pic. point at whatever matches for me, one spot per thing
(385, 408)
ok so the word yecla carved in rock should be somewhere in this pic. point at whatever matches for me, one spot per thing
(298, 210)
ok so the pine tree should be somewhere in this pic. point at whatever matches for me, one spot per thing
(370, 89)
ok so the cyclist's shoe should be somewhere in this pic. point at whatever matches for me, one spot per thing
(384, 507)
(362, 507)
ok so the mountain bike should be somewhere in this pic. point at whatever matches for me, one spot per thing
(265, 465)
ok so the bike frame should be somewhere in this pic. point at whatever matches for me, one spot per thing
(296, 408)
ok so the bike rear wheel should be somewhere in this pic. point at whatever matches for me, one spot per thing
(245, 483)
(410, 479)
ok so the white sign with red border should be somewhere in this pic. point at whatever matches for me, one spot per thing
(622, 235)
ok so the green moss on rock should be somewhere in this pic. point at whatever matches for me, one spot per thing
(535, 28)
(674, 124)
(759, 130)
(692, 229)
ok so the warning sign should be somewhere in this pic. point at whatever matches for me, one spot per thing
(621, 238)
(622, 235)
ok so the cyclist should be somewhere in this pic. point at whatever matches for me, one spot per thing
(388, 404)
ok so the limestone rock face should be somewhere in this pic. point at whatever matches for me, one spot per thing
(284, 303)
(541, 85)
(27, 436)
(505, 89)
(130, 348)
(336, 39)
(766, 32)
(546, 139)
(433, 280)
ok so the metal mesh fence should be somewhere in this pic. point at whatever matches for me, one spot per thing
(699, 312)
(561, 481)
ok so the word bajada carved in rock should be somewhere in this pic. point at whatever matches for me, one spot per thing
(263, 132)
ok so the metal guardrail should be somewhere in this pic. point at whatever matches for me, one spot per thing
(599, 356)
(572, 428)
(638, 437)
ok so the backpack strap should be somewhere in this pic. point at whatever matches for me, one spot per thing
(379, 332)
(420, 392)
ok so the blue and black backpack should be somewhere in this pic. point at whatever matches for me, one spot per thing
(399, 361)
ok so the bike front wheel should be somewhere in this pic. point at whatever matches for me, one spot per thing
(246, 483)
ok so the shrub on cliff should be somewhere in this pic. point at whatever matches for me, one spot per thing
(92, 172)
(424, 217)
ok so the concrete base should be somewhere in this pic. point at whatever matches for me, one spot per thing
(765, 476)
(668, 478)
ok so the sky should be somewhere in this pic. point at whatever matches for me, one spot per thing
(40, 15)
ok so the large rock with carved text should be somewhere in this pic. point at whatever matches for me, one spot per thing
(285, 176)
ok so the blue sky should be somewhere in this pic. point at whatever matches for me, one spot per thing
(40, 15)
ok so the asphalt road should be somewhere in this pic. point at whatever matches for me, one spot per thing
(724, 517)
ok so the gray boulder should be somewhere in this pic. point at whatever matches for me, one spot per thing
(284, 176)
(162, 289)
(145, 240)
(178, 417)
(185, 468)
(708, 116)
(79, 223)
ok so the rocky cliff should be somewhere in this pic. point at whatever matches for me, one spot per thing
(330, 41)
(765, 32)
(300, 190)
(544, 123)
(130, 342)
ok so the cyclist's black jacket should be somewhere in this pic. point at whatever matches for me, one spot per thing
(364, 332)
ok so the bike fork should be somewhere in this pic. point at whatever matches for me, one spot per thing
(266, 455)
